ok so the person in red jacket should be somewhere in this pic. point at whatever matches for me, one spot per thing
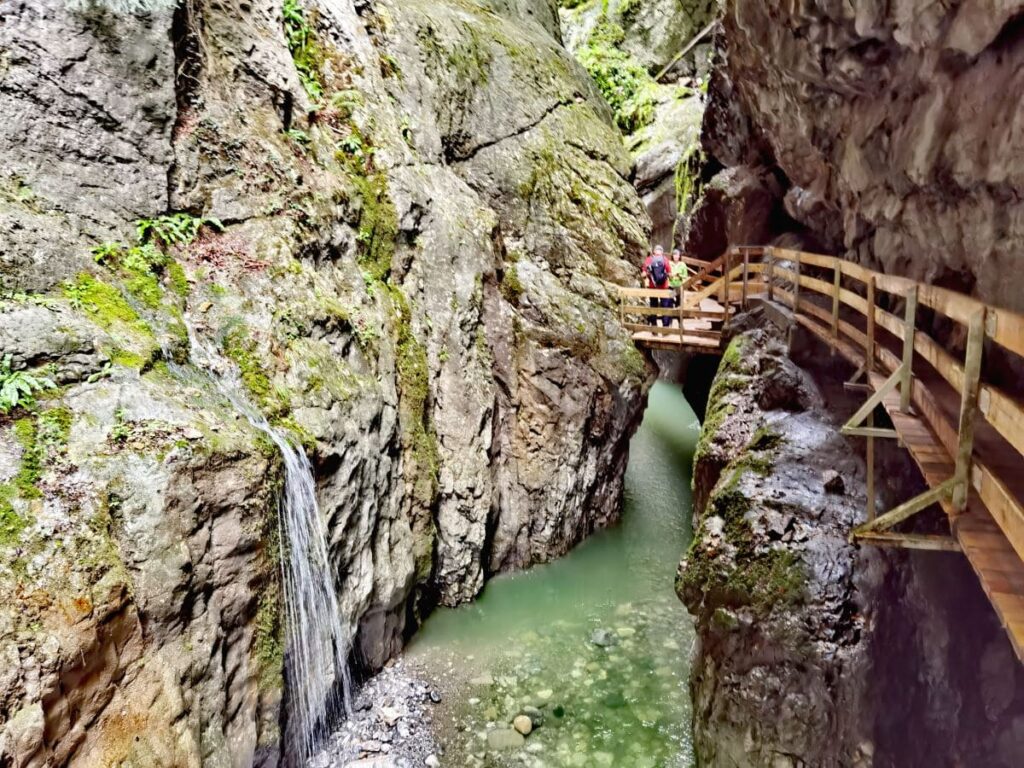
(657, 270)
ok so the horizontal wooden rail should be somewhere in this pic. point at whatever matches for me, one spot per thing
(1001, 411)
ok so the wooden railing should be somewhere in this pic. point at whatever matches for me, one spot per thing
(965, 434)
(845, 311)
(651, 318)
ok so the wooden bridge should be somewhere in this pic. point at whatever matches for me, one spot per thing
(966, 435)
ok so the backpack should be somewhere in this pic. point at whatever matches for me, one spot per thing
(658, 270)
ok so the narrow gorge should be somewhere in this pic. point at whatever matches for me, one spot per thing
(325, 439)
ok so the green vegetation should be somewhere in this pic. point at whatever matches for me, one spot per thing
(511, 286)
(414, 385)
(43, 440)
(687, 178)
(628, 88)
(142, 265)
(755, 575)
(241, 349)
(19, 388)
(173, 229)
(178, 280)
(633, 363)
(269, 641)
(304, 48)
(732, 376)
(104, 303)
(26, 432)
(378, 225)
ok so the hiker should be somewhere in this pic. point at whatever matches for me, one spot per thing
(678, 274)
(657, 271)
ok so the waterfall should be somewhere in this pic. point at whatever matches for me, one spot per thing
(316, 657)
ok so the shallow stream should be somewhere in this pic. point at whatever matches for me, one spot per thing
(597, 642)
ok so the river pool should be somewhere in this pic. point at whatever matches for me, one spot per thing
(595, 646)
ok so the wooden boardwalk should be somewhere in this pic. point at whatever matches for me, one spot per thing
(704, 304)
(965, 435)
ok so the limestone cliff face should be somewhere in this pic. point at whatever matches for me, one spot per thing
(886, 132)
(624, 45)
(402, 223)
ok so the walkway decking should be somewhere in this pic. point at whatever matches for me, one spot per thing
(965, 435)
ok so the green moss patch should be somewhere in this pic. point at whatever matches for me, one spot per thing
(414, 386)
(242, 350)
(378, 225)
(753, 575)
(268, 645)
(304, 47)
(511, 285)
(628, 88)
(104, 303)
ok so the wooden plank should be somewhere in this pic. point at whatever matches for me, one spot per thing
(869, 431)
(657, 330)
(1004, 413)
(651, 311)
(908, 508)
(873, 402)
(1004, 507)
(910, 541)
(646, 293)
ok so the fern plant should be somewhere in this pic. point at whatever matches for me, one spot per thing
(19, 387)
(174, 229)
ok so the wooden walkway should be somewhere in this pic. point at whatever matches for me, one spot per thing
(703, 305)
(965, 435)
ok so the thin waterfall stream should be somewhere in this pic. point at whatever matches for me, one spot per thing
(317, 642)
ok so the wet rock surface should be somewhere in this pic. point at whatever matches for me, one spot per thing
(783, 665)
(891, 129)
(411, 283)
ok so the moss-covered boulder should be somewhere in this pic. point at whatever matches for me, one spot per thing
(779, 677)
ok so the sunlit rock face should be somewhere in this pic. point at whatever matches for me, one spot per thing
(634, 48)
(414, 230)
(894, 130)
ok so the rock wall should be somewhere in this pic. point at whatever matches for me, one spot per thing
(813, 651)
(624, 45)
(402, 222)
(886, 132)
(781, 675)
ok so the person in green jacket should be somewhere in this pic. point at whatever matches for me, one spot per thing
(679, 273)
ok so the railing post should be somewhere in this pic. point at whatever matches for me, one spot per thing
(869, 459)
(727, 283)
(837, 278)
(796, 287)
(682, 314)
(869, 351)
(725, 277)
(746, 276)
(770, 252)
(909, 322)
(968, 409)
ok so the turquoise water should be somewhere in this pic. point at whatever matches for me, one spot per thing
(597, 641)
